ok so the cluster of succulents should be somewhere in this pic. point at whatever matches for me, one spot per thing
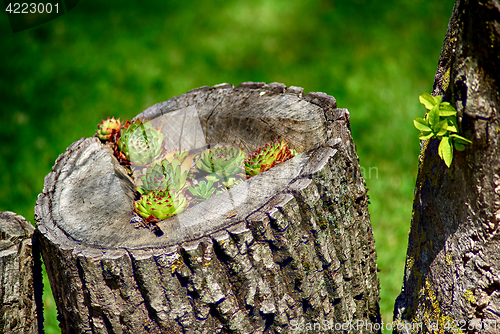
(169, 182)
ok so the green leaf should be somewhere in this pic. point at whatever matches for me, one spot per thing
(437, 99)
(427, 100)
(459, 146)
(445, 150)
(434, 116)
(446, 109)
(441, 128)
(421, 124)
(425, 135)
(452, 123)
(460, 139)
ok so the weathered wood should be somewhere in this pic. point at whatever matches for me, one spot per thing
(291, 244)
(17, 301)
(452, 273)
(242, 116)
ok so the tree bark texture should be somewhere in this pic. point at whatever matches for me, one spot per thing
(17, 307)
(291, 244)
(452, 273)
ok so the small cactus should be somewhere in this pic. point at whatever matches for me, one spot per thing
(108, 128)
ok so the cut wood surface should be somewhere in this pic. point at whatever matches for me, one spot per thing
(17, 302)
(291, 245)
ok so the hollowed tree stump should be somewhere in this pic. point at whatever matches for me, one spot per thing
(289, 246)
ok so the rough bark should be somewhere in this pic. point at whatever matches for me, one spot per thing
(17, 301)
(291, 244)
(452, 274)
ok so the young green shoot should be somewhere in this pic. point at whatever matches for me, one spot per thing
(440, 121)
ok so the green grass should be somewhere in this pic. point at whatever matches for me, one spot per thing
(117, 58)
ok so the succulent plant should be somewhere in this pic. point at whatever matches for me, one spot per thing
(222, 162)
(267, 157)
(141, 143)
(107, 128)
(202, 191)
(165, 176)
(176, 154)
(160, 204)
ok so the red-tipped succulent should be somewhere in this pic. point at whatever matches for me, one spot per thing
(267, 157)
(108, 128)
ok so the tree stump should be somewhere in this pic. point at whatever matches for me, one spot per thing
(17, 302)
(452, 274)
(290, 247)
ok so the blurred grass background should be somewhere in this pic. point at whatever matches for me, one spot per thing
(116, 58)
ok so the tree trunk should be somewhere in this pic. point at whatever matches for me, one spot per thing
(290, 246)
(17, 301)
(452, 274)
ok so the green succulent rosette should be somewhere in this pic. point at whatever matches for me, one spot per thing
(222, 162)
(267, 157)
(258, 160)
(202, 191)
(141, 143)
(160, 204)
(165, 176)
